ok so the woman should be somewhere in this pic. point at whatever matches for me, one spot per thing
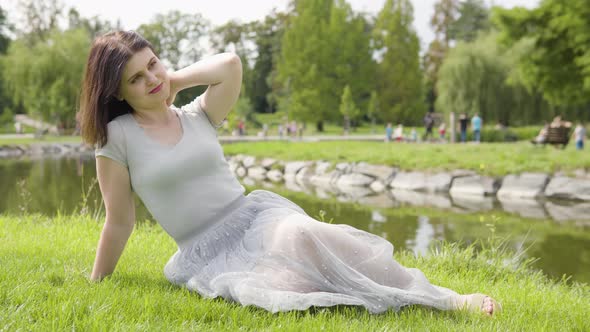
(259, 249)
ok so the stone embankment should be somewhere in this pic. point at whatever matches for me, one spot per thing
(43, 149)
(531, 195)
(351, 177)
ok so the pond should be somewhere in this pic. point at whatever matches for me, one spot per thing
(68, 185)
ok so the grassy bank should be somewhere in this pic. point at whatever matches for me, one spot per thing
(46, 262)
(46, 139)
(490, 159)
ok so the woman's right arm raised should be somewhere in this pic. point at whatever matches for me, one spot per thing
(115, 187)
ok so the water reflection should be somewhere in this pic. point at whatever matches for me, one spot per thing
(410, 220)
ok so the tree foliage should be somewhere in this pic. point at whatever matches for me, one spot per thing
(5, 28)
(176, 37)
(478, 77)
(38, 19)
(373, 109)
(473, 19)
(453, 21)
(398, 77)
(94, 25)
(319, 58)
(46, 78)
(348, 108)
(268, 35)
(6, 106)
(558, 63)
(445, 15)
(324, 48)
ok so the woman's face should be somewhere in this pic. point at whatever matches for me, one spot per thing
(145, 83)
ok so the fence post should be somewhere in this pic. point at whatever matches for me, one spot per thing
(452, 126)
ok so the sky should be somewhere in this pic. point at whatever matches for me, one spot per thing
(134, 13)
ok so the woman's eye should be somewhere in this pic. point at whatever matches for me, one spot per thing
(152, 64)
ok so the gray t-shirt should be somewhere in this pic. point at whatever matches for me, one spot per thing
(183, 186)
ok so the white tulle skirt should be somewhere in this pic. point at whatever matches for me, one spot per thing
(267, 252)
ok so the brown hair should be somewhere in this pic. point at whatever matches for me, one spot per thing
(104, 69)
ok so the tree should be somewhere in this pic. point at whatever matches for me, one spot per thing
(559, 60)
(452, 21)
(398, 77)
(6, 107)
(5, 29)
(94, 25)
(478, 77)
(302, 56)
(268, 35)
(473, 19)
(324, 47)
(348, 109)
(445, 15)
(351, 62)
(39, 18)
(176, 37)
(373, 109)
(233, 37)
(45, 79)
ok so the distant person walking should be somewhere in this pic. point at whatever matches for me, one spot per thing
(442, 131)
(280, 130)
(463, 127)
(301, 129)
(293, 129)
(580, 136)
(476, 126)
(413, 135)
(241, 127)
(388, 132)
(428, 124)
(398, 133)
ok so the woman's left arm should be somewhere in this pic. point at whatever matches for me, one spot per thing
(222, 72)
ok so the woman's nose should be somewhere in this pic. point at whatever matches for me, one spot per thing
(152, 79)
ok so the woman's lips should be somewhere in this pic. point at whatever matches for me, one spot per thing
(158, 88)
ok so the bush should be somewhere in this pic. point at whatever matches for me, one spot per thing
(504, 135)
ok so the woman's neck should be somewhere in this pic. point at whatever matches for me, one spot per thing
(157, 117)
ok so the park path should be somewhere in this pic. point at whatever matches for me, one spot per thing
(237, 139)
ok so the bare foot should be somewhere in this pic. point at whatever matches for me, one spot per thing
(479, 303)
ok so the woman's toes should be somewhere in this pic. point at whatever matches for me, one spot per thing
(488, 306)
(479, 303)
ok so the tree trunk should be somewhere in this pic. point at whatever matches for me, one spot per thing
(320, 126)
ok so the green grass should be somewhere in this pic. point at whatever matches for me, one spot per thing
(46, 139)
(46, 263)
(489, 158)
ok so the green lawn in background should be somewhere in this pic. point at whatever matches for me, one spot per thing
(485, 158)
(45, 139)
